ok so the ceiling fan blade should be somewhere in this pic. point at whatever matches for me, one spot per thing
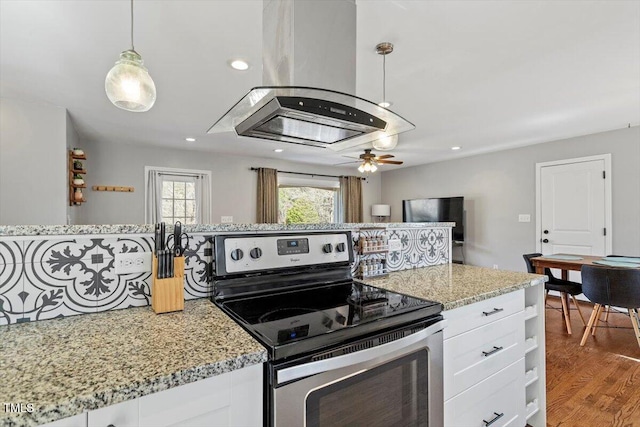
(385, 156)
(390, 162)
(347, 163)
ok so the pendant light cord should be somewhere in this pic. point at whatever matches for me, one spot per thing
(132, 48)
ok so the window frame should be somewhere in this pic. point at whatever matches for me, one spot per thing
(177, 173)
(321, 183)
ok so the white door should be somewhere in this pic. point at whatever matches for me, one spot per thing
(573, 200)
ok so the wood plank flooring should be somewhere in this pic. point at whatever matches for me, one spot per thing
(596, 385)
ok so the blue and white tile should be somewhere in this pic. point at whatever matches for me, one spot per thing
(118, 291)
(60, 278)
(113, 245)
(11, 293)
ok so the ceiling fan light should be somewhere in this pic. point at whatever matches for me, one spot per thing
(374, 168)
(361, 168)
(367, 167)
(386, 143)
(128, 84)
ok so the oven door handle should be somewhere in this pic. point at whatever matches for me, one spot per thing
(301, 371)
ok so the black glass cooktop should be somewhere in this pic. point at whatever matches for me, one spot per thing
(295, 322)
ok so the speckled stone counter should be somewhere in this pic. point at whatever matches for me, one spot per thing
(455, 285)
(67, 366)
(70, 230)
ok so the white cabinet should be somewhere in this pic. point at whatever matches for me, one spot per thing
(79, 420)
(230, 399)
(494, 361)
(498, 398)
(124, 414)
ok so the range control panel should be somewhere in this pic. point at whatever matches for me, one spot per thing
(246, 253)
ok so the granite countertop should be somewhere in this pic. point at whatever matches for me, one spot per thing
(455, 285)
(57, 230)
(67, 366)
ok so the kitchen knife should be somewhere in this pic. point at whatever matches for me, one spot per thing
(171, 255)
(177, 239)
(162, 236)
(156, 236)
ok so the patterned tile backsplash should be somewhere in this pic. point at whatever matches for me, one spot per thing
(56, 276)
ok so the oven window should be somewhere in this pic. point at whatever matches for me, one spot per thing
(394, 394)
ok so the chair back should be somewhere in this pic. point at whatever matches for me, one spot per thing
(619, 287)
(532, 269)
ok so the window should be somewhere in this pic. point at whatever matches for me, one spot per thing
(179, 200)
(307, 200)
(177, 195)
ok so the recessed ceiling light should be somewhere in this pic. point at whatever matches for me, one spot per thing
(385, 104)
(278, 150)
(239, 64)
(455, 148)
(190, 139)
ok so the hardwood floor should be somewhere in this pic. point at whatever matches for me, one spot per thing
(596, 385)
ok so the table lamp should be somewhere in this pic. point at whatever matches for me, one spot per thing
(380, 212)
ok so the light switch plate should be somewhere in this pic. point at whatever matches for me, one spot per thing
(133, 262)
(226, 219)
(524, 218)
(395, 245)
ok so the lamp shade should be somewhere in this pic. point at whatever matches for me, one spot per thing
(129, 85)
(380, 210)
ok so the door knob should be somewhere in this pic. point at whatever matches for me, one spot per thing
(546, 231)
(545, 240)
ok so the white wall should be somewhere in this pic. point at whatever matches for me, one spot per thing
(499, 186)
(234, 184)
(33, 163)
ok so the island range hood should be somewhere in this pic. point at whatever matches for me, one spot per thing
(309, 57)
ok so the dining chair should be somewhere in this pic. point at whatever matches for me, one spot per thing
(565, 287)
(613, 286)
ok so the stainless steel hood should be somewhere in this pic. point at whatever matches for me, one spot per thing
(309, 75)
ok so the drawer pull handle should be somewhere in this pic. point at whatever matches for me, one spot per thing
(494, 311)
(495, 350)
(496, 418)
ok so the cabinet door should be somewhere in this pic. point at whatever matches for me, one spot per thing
(477, 354)
(500, 397)
(79, 420)
(203, 403)
(124, 414)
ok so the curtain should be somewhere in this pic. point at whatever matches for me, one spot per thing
(350, 200)
(267, 201)
(153, 202)
(203, 197)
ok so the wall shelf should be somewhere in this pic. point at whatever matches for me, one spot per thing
(72, 173)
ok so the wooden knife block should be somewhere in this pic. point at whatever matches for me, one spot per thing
(168, 294)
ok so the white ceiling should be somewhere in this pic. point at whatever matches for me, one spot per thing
(484, 75)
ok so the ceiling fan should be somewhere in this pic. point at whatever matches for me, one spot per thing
(369, 162)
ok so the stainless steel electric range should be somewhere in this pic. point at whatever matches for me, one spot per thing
(341, 353)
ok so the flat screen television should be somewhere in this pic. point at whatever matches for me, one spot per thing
(445, 209)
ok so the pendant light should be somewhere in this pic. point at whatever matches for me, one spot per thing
(387, 142)
(128, 84)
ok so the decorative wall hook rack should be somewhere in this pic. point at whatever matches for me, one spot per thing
(112, 188)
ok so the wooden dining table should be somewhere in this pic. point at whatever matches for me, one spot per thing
(542, 262)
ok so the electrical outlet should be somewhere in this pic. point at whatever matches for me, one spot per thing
(226, 219)
(133, 262)
(395, 245)
(495, 266)
(524, 218)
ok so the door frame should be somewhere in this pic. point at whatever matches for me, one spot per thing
(608, 223)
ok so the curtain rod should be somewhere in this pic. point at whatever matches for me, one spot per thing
(192, 175)
(312, 174)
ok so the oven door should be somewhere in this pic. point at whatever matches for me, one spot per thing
(394, 384)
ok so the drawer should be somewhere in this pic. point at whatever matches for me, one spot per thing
(502, 393)
(465, 318)
(475, 355)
